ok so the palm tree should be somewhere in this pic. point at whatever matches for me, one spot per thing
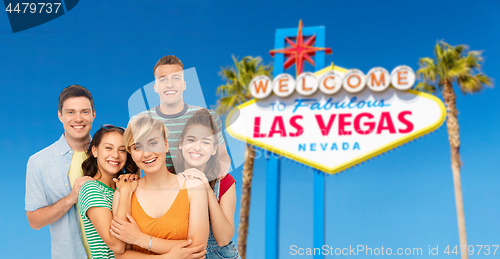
(235, 92)
(453, 65)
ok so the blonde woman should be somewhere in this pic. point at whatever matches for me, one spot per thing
(167, 211)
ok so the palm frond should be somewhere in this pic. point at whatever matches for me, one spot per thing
(474, 59)
(459, 49)
(452, 64)
(427, 70)
(223, 107)
(438, 51)
(425, 87)
(459, 69)
(474, 83)
(238, 78)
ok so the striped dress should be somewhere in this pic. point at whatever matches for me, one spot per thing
(95, 194)
(175, 124)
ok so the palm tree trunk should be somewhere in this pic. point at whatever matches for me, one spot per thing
(245, 199)
(454, 139)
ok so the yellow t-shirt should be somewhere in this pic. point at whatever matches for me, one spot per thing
(75, 171)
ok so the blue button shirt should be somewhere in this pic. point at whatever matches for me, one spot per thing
(47, 182)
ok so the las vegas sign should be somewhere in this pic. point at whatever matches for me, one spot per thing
(335, 118)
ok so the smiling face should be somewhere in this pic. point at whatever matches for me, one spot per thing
(77, 117)
(169, 83)
(150, 153)
(198, 146)
(111, 154)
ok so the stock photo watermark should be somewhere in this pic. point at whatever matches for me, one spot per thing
(355, 250)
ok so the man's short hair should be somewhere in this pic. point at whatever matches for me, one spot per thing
(168, 60)
(75, 91)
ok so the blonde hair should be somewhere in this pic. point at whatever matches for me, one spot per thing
(140, 127)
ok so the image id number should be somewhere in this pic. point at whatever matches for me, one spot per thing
(481, 249)
(34, 7)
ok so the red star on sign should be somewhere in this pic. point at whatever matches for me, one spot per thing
(300, 51)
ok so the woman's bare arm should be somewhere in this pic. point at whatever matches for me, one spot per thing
(129, 232)
(222, 216)
(198, 212)
(101, 219)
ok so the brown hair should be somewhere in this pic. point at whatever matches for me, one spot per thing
(75, 91)
(168, 60)
(212, 169)
(90, 166)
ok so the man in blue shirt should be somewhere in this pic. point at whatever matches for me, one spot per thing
(50, 198)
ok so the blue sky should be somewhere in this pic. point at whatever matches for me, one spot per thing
(402, 199)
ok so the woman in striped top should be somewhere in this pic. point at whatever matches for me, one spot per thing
(107, 157)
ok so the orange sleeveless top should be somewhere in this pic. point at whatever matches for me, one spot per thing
(172, 225)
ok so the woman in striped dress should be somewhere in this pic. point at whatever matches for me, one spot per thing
(107, 158)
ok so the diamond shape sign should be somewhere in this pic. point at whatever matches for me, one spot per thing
(334, 132)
